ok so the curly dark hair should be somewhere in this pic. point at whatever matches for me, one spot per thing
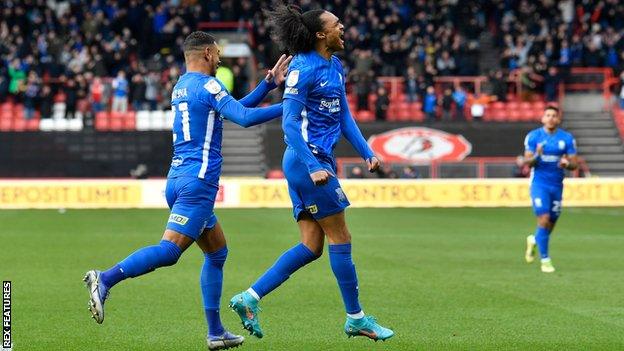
(294, 31)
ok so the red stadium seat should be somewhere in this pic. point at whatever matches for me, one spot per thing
(515, 115)
(19, 125)
(6, 124)
(365, 116)
(129, 121)
(498, 105)
(33, 124)
(101, 121)
(512, 105)
(539, 105)
(526, 106)
(499, 115)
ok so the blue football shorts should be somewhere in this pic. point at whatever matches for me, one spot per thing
(191, 201)
(546, 199)
(319, 201)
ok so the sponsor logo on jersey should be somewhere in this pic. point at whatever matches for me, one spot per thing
(176, 218)
(418, 144)
(213, 86)
(220, 95)
(549, 158)
(292, 91)
(293, 78)
(333, 106)
(341, 194)
(561, 144)
(178, 93)
(312, 209)
(177, 160)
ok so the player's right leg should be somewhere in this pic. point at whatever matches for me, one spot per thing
(185, 224)
(542, 203)
(212, 243)
(140, 262)
(309, 249)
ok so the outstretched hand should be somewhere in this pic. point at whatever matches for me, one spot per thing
(277, 74)
(373, 164)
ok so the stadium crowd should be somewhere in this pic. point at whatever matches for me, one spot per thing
(105, 54)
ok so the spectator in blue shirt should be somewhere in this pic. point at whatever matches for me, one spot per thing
(120, 93)
(429, 105)
(459, 96)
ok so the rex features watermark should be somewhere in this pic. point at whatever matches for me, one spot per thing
(6, 316)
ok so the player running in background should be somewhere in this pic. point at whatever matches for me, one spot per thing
(316, 113)
(200, 102)
(549, 150)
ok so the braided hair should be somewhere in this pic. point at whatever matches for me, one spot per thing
(294, 31)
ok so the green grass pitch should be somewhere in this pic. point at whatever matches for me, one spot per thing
(443, 279)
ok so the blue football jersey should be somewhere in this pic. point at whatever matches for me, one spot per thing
(547, 171)
(196, 101)
(318, 84)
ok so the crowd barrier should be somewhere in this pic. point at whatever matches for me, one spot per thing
(255, 193)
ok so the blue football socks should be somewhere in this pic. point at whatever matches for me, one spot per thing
(211, 282)
(344, 270)
(290, 261)
(542, 235)
(142, 261)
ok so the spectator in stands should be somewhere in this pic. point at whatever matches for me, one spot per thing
(528, 83)
(386, 171)
(411, 84)
(477, 108)
(356, 172)
(445, 64)
(96, 95)
(409, 172)
(622, 90)
(226, 76)
(362, 90)
(498, 85)
(429, 104)
(152, 87)
(120, 93)
(447, 104)
(46, 101)
(137, 92)
(4, 87)
(17, 75)
(382, 104)
(551, 84)
(71, 98)
(31, 93)
(459, 97)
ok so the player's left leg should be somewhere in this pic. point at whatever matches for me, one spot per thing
(212, 243)
(548, 221)
(342, 265)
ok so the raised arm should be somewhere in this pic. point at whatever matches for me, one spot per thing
(273, 79)
(245, 117)
(216, 96)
